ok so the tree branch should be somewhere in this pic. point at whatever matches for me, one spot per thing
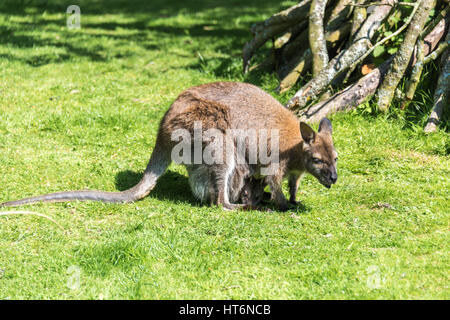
(437, 24)
(272, 27)
(317, 40)
(301, 64)
(398, 67)
(442, 93)
(392, 35)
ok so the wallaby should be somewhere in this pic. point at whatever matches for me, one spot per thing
(223, 106)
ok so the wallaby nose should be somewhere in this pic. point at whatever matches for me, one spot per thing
(333, 177)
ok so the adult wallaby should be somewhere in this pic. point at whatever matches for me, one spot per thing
(223, 106)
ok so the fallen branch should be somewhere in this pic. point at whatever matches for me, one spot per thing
(317, 40)
(287, 17)
(339, 15)
(347, 99)
(416, 73)
(301, 64)
(442, 93)
(436, 53)
(437, 25)
(381, 4)
(359, 15)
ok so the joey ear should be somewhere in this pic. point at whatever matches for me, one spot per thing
(325, 126)
(307, 132)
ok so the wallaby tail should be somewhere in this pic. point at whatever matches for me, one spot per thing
(159, 161)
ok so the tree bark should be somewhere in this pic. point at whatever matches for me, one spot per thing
(347, 99)
(359, 15)
(416, 73)
(436, 26)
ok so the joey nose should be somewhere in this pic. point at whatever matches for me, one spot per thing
(333, 178)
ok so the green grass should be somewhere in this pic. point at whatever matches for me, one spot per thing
(80, 109)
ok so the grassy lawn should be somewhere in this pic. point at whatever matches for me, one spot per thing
(80, 109)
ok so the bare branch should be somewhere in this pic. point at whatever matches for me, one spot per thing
(347, 99)
(436, 53)
(339, 15)
(416, 72)
(359, 15)
(410, 4)
(287, 17)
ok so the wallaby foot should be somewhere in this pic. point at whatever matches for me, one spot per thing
(236, 206)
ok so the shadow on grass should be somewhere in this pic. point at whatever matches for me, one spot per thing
(174, 187)
(164, 7)
(144, 19)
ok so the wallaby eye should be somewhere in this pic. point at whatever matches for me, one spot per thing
(335, 160)
(317, 160)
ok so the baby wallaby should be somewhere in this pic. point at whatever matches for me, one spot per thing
(243, 188)
(246, 124)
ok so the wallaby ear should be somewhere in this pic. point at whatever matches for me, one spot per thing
(325, 126)
(307, 132)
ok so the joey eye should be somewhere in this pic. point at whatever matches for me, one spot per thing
(317, 161)
(335, 160)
